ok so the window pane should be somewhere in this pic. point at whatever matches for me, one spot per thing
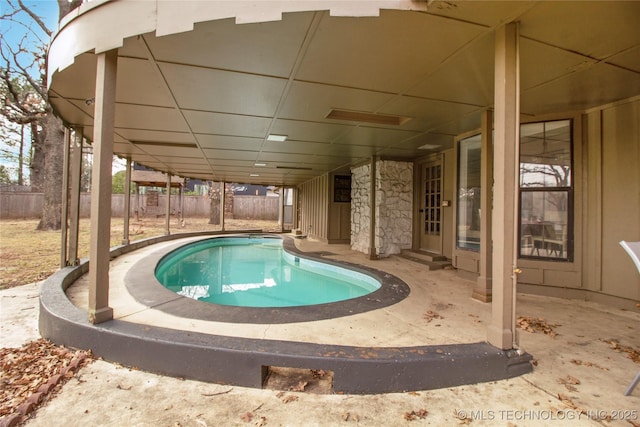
(545, 154)
(468, 236)
(544, 218)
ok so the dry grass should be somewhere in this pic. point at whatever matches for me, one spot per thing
(28, 255)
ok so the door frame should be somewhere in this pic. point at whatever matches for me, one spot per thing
(419, 176)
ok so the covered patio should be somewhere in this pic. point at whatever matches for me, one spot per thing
(304, 95)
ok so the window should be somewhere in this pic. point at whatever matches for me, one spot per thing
(468, 214)
(546, 191)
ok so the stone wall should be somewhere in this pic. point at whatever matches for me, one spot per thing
(393, 211)
(394, 207)
(360, 208)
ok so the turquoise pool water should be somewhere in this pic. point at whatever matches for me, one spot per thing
(257, 272)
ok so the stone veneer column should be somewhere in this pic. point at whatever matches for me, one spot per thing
(501, 330)
(107, 66)
(360, 208)
(394, 207)
(393, 212)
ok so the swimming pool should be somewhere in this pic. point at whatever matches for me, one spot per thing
(257, 272)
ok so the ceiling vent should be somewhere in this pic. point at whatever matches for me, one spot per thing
(359, 116)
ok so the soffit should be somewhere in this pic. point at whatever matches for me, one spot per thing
(201, 103)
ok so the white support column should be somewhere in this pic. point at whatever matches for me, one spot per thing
(107, 65)
(501, 331)
(127, 203)
(482, 289)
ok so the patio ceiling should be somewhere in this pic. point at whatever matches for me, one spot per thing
(202, 103)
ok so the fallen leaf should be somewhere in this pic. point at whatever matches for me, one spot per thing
(247, 417)
(290, 398)
(430, 315)
(414, 415)
(569, 380)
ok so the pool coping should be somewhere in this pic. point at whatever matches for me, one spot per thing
(245, 361)
(145, 288)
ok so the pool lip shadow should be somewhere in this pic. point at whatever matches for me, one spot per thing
(143, 286)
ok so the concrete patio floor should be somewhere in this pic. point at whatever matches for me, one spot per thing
(438, 311)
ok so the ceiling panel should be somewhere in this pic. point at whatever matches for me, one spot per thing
(629, 59)
(312, 102)
(139, 83)
(612, 26)
(541, 63)
(297, 147)
(375, 136)
(596, 85)
(156, 136)
(229, 154)
(160, 150)
(229, 142)
(309, 131)
(426, 113)
(385, 53)
(206, 89)
(471, 67)
(268, 48)
(227, 124)
(151, 118)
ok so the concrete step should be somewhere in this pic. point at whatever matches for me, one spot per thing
(431, 260)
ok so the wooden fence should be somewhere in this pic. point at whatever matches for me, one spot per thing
(14, 205)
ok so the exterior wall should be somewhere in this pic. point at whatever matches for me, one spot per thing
(393, 207)
(314, 207)
(612, 199)
(607, 202)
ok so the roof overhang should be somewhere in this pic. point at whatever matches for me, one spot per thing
(201, 85)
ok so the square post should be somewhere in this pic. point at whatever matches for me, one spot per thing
(167, 213)
(74, 204)
(482, 289)
(501, 331)
(127, 203)
(107, 67)
(64, 259)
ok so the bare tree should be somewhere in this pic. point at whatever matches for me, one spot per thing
(24, 85)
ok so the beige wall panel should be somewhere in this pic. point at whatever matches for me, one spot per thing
(314, 207)
(564, 279)
(463, 261)
(620, 197)
(592, 202)
(531, 276)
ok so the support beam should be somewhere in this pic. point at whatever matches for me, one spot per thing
(281, 209)
(64, 221)
(223, 193)
(482, 289)
(106, 72)
(74, 204)
(167, 213)
(127, 203)
(501, 331)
